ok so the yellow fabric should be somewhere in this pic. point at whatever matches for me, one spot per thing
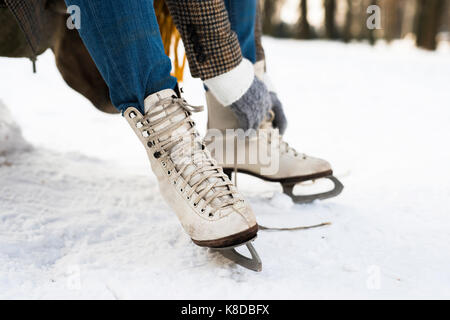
(171, 38)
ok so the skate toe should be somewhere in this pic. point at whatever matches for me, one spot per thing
(232, 226)
(319, 165)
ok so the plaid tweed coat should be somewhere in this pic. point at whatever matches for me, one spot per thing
(36, 19)
(29, 14)
(211, 46)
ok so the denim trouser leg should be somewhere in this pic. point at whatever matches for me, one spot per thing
(123, 39)
(242, 15)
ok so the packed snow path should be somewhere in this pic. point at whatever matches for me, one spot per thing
(81, 216)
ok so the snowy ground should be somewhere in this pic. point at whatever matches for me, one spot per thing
(81, 216)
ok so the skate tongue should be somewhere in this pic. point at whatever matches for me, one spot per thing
(153, 99)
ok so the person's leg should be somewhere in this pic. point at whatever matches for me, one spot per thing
(288, 164)
(242, 15)
(124, 40)
(245, 20)
(215, 56)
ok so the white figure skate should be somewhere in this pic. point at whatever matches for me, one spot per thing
(209, 207)
(291, 168)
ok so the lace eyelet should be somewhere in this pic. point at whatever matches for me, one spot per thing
(169, 172)
(181, 190)
(139, 125)
(174, 182)
(202, 211)
(211, 215)
(132, 115)
(195, 205)
(189, 198)
(157, 155)
(145, 134)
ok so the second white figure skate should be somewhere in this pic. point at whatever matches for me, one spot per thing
(291, 167)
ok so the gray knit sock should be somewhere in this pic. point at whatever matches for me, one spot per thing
(252, 107)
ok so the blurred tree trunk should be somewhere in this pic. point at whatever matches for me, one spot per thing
(330, 15)
(446, 19)
(429, 17)
(408, 17)
(347, 32)
(304, 27)
(356, 21)
(370, 33)
(391, 19)
(268, 13)
(362, 32)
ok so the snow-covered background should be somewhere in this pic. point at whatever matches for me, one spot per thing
(81, 216)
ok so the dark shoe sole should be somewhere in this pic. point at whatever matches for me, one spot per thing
(230, 241)
(297, 179)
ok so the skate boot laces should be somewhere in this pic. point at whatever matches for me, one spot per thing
(170, 129)
(285, 148)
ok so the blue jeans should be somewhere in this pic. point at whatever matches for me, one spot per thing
(123, 38)
(242, 15)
